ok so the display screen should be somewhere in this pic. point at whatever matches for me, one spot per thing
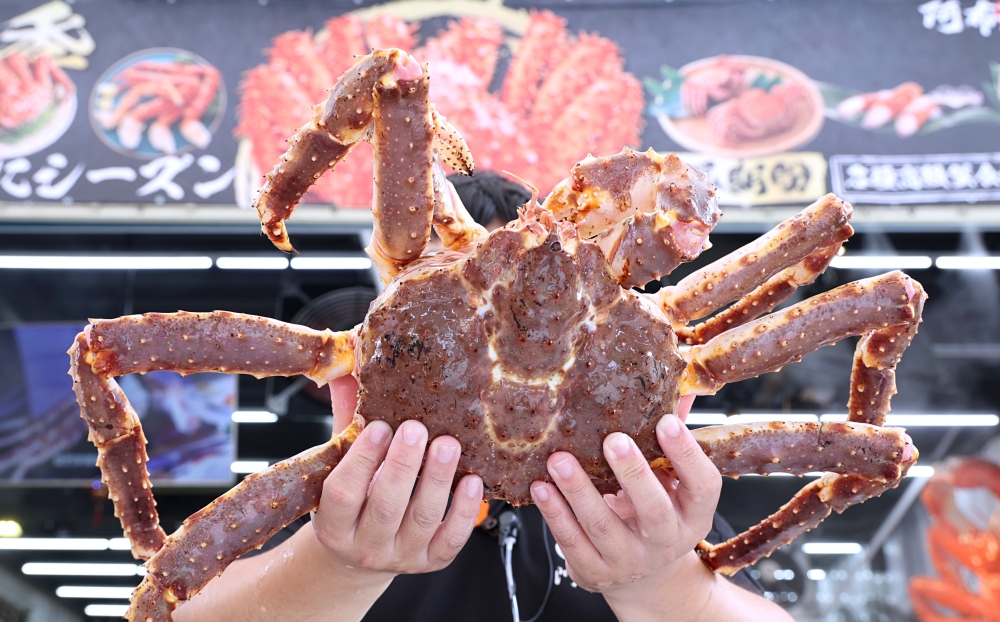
(187, 421)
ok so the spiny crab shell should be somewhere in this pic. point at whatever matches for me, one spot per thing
(524, 347)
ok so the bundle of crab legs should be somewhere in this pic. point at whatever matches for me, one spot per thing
(524, 341)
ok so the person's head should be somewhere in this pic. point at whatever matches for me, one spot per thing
(491, 199)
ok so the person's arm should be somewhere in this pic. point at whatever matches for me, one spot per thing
(367, 530)
(637, 548)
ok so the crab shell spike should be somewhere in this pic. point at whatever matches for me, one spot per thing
(650, 212)
(451, 146)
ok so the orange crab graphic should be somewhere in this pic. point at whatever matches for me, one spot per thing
(562, 96)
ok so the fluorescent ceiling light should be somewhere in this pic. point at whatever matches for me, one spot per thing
(106, 611)
(254, 416)
(706, 418)
(882, 262)
(251, 263)
(93, 591)
(831, 548)
(104, 262)
(968, 262)
(756, 417)
(816, 574)
(119, 544)
(248, 466)
(928, 420)
(54, 544)
(82, 570)
(920, 471)
(331, 263)
(10, 529)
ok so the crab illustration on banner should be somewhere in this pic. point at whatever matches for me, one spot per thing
(562, 97)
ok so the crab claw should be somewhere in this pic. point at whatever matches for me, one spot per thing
(195, 132)
(130, 132)
(161, 137)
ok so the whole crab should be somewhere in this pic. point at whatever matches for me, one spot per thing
(519, 343)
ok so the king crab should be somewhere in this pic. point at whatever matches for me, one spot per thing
(27, 89)
(519, 343)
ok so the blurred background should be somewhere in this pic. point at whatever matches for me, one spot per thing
(133, 135)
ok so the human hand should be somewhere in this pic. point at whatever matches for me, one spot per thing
(632, 542)
(367, 519)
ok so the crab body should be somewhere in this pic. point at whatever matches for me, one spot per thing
(519, 343)
(524, 347)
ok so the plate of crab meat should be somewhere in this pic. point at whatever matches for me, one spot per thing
(37, 104)
(741, 106)
(157, 102)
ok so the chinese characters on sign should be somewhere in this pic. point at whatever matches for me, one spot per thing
(54, 181)
(938, 178)
(51, 29)
(950, 18)
(797, 177)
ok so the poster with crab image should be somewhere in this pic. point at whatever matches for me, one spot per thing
(155, 102)
(38, 99)
(529, 96)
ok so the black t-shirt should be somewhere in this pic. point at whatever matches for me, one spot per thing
(474, 585)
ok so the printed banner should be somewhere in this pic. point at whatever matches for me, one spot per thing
(970, 177)
(191, 102)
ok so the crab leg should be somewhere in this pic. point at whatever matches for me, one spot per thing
(239, 521)
(650, 212)
(823, 224)
(768, 343)
(383, 99)
(186, 343)
(773, 292)
(800, 448)
(806, 510)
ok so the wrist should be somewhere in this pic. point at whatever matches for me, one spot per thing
(685, 586)
(351, 576)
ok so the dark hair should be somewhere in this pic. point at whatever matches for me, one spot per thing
(488, 195)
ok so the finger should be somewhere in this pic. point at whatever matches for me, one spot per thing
(699, 482)
(345, 490)
(608, 533)
(390, 495)
(426, 510)
(452, 535)
(566, 530)
(653, 508)
(344, 399)
(684, 406)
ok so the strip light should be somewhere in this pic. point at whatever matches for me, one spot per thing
(106, 611)
(882, 262)
(82, 570)
(706, 419)
(757, 417)
(816, 574)
(331, 263)
(251, 263)
(928, 420)
(254, 416)
(968, 262)
(831, 548)
(103, 262)
(65, 544)
(93, 591)
(248, 466)
(920, 470)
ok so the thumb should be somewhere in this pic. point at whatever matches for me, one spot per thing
(344, 398)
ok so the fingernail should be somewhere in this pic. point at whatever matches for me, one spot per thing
(670, 425)
(412, 433)
(379, 432)
(446, 452)
(563, 468)
(539, 492)
(473, 487)
(619, 444)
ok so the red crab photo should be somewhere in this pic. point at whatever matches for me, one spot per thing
(563, 95)
(37, 103)
(740, 106)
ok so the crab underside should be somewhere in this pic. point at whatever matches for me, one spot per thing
(518, 343)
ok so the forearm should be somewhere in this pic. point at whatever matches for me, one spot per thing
(693, 593)
(298, 580)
